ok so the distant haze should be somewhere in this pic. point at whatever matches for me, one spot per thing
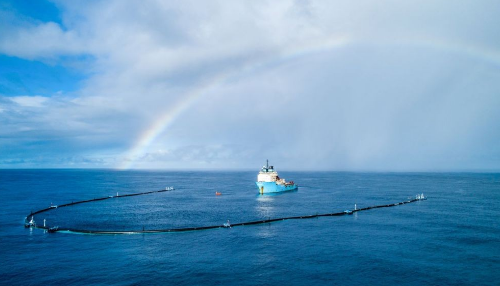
(309, 85)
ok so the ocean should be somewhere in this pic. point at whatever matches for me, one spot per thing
(453, 238)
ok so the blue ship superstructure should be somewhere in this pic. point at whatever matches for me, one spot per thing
(268, 181)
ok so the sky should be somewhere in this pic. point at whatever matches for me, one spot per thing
(225, 85)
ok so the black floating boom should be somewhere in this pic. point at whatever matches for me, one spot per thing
(85, 231)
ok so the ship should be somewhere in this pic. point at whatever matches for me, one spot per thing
(268, 181)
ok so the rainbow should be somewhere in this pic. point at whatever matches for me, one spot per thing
(168, 118)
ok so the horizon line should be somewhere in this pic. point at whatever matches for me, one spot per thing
(491, 171)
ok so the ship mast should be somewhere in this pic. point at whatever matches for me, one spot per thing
(267, 164)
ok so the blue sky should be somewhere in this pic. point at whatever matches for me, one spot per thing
(310, 85)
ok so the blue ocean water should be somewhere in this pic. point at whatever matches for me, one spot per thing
(453, 238)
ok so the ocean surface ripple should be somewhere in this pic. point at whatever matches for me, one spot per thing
(453, 238)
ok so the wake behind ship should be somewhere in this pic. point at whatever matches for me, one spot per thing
(268, 181)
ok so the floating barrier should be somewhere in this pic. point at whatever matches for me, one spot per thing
(53, 229)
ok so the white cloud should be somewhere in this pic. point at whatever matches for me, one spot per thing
(45, 40)
(29, 101)
(332, 84)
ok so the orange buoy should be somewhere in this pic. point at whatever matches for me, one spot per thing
(218, 194)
